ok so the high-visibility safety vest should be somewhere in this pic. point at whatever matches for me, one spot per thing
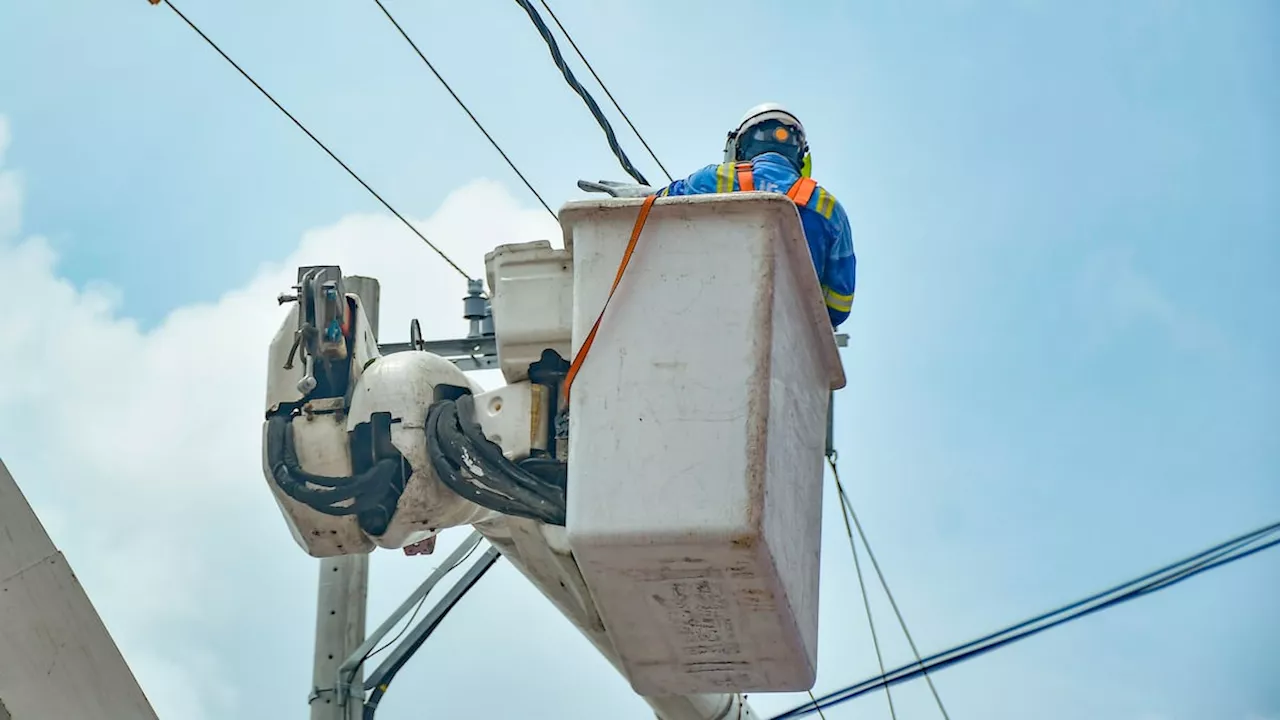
(800, 193)
(826, 230)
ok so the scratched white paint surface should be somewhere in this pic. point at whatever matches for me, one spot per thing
(56, 658)
(697, 428)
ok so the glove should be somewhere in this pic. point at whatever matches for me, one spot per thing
(616, 189)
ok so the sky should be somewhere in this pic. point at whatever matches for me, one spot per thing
(1062, 357)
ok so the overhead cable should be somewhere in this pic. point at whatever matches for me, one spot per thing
(416, 609)
(604, 87)
(317, 141)
(1223, 553)
(847, 506)
(581, 91)
(379, 681)
(464, 107)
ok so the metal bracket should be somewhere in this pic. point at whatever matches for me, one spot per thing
(347, 670)
(379, 680)
(477, 351)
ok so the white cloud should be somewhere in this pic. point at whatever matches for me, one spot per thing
(1116, 296)
(140, 450)
(10, 189)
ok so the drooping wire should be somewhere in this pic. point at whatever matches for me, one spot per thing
(847, 506)
(857, 566)
(1237, 548)
(413, 616)
(581, 91)
(604, 87)
(464, 107)
(821, 715)
(317, 141)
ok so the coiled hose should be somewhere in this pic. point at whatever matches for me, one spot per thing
(471, 465)
(372, 494)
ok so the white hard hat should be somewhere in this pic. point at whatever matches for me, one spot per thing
(764, 112)
(761, 113)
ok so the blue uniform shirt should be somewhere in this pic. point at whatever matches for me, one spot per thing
(826, 227)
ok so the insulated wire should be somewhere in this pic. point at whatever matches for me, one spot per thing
(821, 714)
(581, 91)
(302, 127)
(464, 107)
(604, 87)
(866, 603)
(984, 649)
(1213, 557)
(844, 500)
(416, 609)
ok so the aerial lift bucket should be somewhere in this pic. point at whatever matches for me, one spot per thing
(697, 429)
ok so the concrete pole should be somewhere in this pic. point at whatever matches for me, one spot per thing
(344, 588)
(57, 659)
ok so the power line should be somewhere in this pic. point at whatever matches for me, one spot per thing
(857, 566)
(317, 141)
(821, 715)
(1223, 553)
(846, 505)
(416, 609)
(380, 680)
(604, 87)
(581, 91)
(464, 107)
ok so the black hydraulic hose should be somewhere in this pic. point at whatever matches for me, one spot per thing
(289, 459)
(377, 515)
(365, 490)
(456, 464)
(471, 469)
(492, 457)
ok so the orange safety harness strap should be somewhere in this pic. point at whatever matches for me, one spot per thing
(801, 192)
(581, 355)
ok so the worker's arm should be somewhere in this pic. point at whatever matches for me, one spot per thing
(841, 267)
(699, 183)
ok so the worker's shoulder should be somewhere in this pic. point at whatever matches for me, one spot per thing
(708, 174)
(710, 169)
(824, 202)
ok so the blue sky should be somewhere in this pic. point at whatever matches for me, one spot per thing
(1063, 353)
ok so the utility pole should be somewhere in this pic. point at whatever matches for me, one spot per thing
(344, 588)
(57, 659)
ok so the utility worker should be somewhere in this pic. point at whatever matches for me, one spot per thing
(768, 152)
